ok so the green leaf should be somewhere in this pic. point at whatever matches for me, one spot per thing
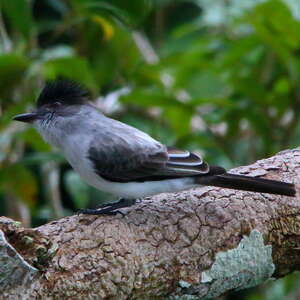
(12, 67)
(149, 96)
(11, 110)
(77, 188)
(19, 14)
(206, 85)
(131, 13)
(156, 128)
(179, 119)
(282, 86)
(277, 13)
(76, 68)
(38, 158)
(20, 181)
(31, 137)
(267, 19)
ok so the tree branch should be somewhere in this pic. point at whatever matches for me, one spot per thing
(196, 244)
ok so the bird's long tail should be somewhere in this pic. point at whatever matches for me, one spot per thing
(247, 183)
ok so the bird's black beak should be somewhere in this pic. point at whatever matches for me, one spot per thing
(27, 117)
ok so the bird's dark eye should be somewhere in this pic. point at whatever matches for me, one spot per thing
(56, 104)
(53, 105)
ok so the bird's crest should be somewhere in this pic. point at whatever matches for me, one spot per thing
(65, 91)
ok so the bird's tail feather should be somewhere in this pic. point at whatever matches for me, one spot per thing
(247, 183)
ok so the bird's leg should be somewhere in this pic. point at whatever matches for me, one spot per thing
(109, 209)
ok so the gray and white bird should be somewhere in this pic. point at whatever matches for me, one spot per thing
(117, 158)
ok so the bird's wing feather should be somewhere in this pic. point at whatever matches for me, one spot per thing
(137, 157)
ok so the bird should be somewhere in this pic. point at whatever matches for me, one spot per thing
(122, 160)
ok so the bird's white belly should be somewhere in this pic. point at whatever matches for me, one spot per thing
(143, 189)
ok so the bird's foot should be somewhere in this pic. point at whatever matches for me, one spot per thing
(109, 209)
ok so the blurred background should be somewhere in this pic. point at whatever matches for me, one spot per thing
(219, 77)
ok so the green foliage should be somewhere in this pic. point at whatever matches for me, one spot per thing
(19, 181)
(75, 68)
(77, 189)
(12, 68)
(129, 13)
(19, 14)
(219, 78)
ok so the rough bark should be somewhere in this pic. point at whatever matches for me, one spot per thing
(190, 245)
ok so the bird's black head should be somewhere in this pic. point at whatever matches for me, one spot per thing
(66, 92)
(55, 94)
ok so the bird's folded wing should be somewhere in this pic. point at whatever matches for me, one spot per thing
(122, 163)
